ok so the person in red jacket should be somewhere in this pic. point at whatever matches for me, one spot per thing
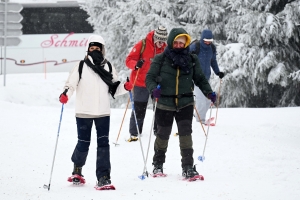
(139, 60)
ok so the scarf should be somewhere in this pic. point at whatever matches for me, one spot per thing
(204, 46)
(104, 75)
(180, 57)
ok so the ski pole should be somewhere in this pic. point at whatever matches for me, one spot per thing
(218, 101)
(116, 143)
(201, 158)
(137, 127)
(199, 120)
(48, 186)
(153, 118)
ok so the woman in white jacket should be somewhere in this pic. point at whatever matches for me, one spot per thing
(93, 92)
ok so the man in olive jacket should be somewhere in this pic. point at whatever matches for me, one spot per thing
(173, 70)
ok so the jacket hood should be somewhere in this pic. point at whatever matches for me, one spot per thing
(96, 38)
(150, 37)
(176, 32)
(207, 34)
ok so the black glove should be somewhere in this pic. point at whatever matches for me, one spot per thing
(139, 64)
(221, 75)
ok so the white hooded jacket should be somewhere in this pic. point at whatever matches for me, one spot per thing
(92, 97)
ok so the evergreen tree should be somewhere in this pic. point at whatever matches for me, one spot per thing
(124, 23)
(262, 68)
(257, 41)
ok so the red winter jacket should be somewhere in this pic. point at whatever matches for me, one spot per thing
(149, 52)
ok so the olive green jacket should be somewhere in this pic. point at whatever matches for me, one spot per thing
(176, 86)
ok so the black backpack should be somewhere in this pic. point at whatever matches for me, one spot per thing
(81, 66)
(197, 49)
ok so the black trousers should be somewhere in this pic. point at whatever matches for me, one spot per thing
(84, 128)
(164, 120)
(141, 97)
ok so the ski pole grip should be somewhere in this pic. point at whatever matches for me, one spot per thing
(65, 92)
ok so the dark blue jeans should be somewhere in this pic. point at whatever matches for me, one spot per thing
(84, 129)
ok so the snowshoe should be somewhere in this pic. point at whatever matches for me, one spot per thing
(210, 122)
(190, 174)
(158, 171)
(104, 183)
(77, 177)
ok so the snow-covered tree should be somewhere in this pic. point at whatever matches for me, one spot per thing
(257, 41)
(263, 71)
(123, 23)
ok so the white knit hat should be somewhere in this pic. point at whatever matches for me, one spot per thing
(160, 34)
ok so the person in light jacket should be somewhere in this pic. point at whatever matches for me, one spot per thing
(98, 81)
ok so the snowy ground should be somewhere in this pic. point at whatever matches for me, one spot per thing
(250, 154)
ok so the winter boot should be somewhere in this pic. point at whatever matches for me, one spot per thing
(77, 171)
(189, 171)
(104, 180)
(158, 169)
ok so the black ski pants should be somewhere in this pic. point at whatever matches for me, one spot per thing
(164, 120)
(141, 97)
(84, 129)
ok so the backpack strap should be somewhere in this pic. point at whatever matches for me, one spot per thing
(80, 69)
(197, 49)
(214, 48)
(162, 62)
(143, 47)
